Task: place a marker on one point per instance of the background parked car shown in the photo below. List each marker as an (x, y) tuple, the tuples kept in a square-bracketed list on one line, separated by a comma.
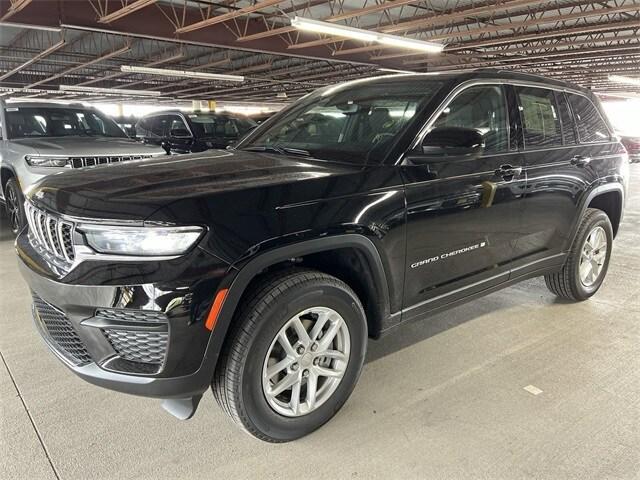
[(42, 139), (632, 144), (192, 132)]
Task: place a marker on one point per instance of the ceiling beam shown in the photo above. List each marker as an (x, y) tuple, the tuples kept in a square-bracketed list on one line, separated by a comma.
[(229, 16), (35, 59), (102, 58), (431, 20), (334, 18), (125, 10), (16, 6)]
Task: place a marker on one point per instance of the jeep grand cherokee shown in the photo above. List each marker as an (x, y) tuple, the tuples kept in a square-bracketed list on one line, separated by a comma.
[(261, 271)]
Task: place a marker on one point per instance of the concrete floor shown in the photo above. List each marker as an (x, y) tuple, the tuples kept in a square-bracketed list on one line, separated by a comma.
[(443, 398)]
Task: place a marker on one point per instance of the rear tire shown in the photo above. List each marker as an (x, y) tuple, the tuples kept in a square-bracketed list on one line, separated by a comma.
[(15, 205), (588, 260), (259, 359)]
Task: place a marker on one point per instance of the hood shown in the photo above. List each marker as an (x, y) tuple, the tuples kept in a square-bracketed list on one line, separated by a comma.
[(136, 189), (87, 146)]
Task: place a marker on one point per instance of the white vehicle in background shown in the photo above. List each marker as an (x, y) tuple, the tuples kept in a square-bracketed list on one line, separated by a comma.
[(41, 139)]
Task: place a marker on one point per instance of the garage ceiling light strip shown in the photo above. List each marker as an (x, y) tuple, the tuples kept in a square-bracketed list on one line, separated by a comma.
[(623, 79), (113, 91), (181, 73), (317, 26)]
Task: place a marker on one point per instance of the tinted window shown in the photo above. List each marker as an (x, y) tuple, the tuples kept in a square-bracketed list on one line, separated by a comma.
[(482, 108), (568, 126), (24, 122), (591, 126), (158, 126), (540, 117), (175, 122), (214, 125)]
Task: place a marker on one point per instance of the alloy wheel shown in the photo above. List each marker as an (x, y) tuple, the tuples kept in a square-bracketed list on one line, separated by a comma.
[(13, 209), (593, 256), (306, 361)]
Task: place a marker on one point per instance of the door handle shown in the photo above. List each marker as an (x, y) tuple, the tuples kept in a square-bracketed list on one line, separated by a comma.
[(508, 171), (580, 161)]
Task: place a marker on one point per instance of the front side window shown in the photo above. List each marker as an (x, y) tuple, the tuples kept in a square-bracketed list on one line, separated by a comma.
[(26, 122), (482, 108), (540, 117), (353, 122), (177, 127), (591, 126)]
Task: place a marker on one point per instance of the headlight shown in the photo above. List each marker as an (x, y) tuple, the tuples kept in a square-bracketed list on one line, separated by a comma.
[(142, 241), (47, 161)]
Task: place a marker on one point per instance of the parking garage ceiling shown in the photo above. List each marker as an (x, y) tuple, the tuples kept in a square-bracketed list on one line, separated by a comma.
[(45, 44)]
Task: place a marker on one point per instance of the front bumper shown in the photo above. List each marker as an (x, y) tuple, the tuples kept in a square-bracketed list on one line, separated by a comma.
[(141, 339)]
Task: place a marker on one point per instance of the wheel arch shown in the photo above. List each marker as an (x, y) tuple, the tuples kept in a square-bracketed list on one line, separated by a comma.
[(374, 294), (6, 172), (610, 199)]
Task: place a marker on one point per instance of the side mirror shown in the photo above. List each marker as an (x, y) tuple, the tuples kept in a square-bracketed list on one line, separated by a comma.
[(180, 133), (450, 144)]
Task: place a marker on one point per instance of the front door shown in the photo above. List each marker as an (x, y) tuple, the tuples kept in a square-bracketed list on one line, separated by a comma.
[(463, 217)]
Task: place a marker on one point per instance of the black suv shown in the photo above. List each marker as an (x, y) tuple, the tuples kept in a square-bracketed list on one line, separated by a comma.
[(192, 132), (262, 270)]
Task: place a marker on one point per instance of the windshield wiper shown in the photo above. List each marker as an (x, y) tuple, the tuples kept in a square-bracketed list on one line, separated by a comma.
[(278, 149)]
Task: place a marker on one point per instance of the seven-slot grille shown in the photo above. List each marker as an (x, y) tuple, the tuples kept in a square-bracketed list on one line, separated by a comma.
[(61, 333), (51, 233), (80, 162)]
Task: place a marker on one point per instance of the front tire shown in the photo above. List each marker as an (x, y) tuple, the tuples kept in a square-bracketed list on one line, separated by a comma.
[(588, 260), (14, 205), (293, 356)]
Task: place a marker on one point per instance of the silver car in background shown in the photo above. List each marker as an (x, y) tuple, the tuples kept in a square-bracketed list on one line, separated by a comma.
[(41, 139)]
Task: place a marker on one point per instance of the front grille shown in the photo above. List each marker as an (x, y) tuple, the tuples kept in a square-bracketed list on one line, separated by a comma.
[(50, 233), (80, 162), (138, 346), (61, 332)]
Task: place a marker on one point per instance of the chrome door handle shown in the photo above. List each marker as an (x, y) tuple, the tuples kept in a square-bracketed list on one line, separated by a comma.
[(580, 161), (508, 171)]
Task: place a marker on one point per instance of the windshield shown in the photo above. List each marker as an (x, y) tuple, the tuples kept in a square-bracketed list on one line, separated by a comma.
[(212, 125), (353, 122), (29, 122)]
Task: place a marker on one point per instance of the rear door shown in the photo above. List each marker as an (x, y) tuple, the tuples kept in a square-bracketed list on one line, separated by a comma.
[(558, 160), (463, 216)]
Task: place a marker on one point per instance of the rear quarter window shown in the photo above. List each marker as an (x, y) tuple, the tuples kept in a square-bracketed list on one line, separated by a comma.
[(591, 126)]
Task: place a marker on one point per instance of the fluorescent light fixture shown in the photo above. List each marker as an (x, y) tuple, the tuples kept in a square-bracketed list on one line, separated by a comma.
[(623, 79), (110, 91), (393, 70), (410, 43), (317, 26), (181, 73)]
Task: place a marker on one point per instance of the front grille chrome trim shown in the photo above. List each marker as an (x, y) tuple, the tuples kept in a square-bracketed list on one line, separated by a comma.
[(90, 161), (51, 236)]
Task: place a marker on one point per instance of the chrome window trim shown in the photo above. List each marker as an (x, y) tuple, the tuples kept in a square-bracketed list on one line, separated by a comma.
[(458, 89)]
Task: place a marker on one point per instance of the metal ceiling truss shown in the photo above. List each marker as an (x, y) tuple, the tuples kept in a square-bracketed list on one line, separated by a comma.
[(84, 42)]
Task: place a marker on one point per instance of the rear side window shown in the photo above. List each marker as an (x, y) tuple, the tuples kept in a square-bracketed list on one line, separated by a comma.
[(568, 125), (591, 126), (540, 117)]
